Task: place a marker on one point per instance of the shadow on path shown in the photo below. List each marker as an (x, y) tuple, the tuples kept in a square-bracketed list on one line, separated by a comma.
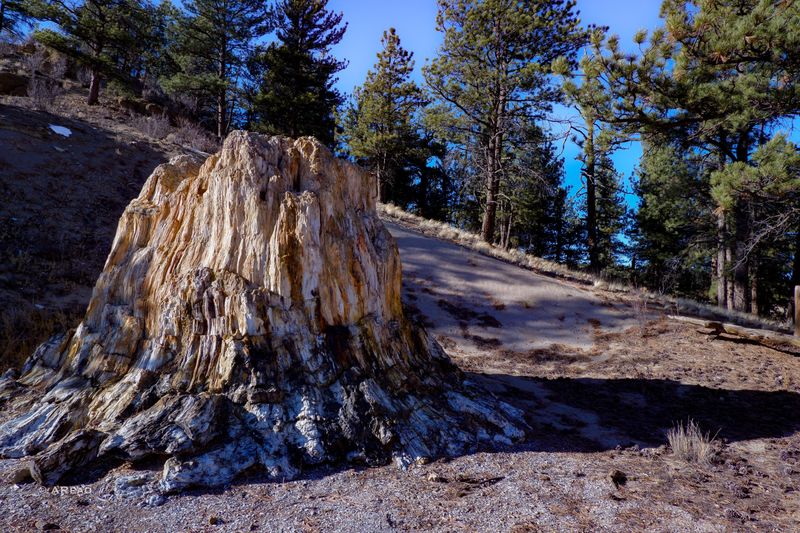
[(591, 414)]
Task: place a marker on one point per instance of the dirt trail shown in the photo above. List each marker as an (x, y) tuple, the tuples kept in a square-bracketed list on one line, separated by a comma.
[(479, 302)]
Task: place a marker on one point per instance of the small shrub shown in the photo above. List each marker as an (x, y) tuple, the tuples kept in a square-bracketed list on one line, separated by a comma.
[(58, 67), (152, 92), (690, 444), (23, 327), (84, 76), (156, 127), (34, 62), (194, 136), (43, 93)]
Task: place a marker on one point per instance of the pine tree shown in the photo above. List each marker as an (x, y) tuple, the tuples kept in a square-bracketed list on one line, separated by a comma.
[(769, 185), (492, 72), (294, 76), (597, 138), (94, 32), (611, 214), (211, 43), (674, 224), (532, 210), (379, 124), (149, 61), (719, 75)]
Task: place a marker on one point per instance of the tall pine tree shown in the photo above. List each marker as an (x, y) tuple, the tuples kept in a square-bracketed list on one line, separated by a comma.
[(532, 210), (673, 231), (94, 32), (492, 72), (212, 40), (293, 77), (720, 75), (597, 139), (379, 125)]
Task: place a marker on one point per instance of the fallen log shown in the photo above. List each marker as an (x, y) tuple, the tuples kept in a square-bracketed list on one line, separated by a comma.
[(770, 339)]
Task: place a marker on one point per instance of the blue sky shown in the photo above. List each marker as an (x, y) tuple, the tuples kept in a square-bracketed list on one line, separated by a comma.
[(415, 22)]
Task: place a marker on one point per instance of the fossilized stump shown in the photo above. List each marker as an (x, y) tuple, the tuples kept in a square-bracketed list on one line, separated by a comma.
[(248, 315)]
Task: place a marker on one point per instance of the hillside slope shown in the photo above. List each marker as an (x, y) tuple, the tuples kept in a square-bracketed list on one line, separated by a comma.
[(62, 197)]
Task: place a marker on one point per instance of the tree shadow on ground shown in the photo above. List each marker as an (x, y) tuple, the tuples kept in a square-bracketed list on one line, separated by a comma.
[(590, 415)]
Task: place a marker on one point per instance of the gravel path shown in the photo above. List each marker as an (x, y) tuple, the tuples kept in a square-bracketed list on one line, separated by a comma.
[(481, 302)]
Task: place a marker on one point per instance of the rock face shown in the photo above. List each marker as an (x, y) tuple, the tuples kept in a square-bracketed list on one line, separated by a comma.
[(248, 315)]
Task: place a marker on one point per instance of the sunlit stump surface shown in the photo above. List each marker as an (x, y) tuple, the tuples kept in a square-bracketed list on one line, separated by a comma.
[(248, 316)]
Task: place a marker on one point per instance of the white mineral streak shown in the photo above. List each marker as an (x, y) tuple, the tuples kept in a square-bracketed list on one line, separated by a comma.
[(248, 315)]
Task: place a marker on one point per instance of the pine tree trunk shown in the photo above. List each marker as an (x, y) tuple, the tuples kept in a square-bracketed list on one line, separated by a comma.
[(492, 188), (423, 193), (507, 243), (729, 297), (380, 172), (754, 286), (591, 200), (94, 88), (741, 285), (221, 107), (795, 272), (495, 154), (720, 273), (741, 216)]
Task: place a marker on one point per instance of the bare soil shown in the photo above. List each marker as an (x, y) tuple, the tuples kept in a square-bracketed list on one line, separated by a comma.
[(599, 383), (62, 197)]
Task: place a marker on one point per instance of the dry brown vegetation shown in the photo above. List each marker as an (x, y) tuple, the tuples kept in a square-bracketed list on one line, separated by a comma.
[(690, 444), (63, 197), (24, 327), (190, 134), (156, 127)]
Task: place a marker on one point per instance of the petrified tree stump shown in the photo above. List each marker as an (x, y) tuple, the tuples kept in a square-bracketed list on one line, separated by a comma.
[(248, 315)]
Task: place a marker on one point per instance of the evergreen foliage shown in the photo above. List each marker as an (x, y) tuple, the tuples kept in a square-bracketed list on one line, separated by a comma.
[(380, 124), (293, 90), (492, 74), (210, 43), (99, 34), (14, 16)]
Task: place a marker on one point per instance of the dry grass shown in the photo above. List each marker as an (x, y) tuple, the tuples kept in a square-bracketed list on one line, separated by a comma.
[(639, 303), (690, 444), (194, 136), (44, 93), (156, 127), (646, 300), (24, 327)]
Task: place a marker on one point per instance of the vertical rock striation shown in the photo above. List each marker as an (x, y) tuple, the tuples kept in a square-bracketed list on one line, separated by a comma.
[(248, 315)]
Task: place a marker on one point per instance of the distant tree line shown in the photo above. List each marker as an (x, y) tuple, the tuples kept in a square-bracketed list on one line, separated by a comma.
[(473, 141)]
